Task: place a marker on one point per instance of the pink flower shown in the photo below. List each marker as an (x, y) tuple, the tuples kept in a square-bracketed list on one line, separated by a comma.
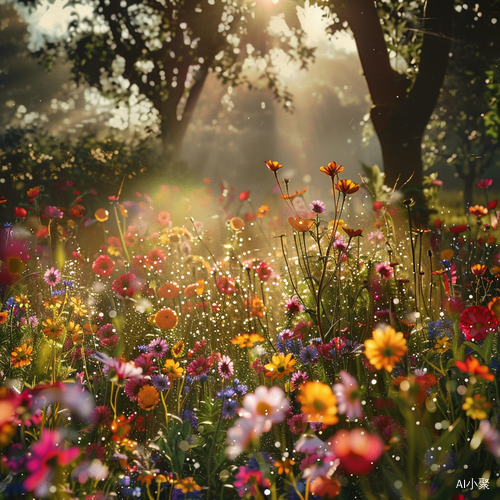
[(264, 271), (225, 367), (348, 396), (476, 322), (118, 370), (45, 458), (385, 270), (250, 481), (53, 213), (357, 450), (103, 265), (266, 405), (484, 183), (293, 305), (490, 437), (241, 434), (199, 367), (164, 218), (52, 276)]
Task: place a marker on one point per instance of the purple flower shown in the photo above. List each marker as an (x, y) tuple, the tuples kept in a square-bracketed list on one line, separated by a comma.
[(158, 347), (160, 382), (229, 408), (309, 355), (52, 276), (317, 206)]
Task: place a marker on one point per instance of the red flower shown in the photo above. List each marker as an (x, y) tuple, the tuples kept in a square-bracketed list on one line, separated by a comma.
[(264, 271), (357, 450), (77, 211), (474, 367), (459, 229), (244, 195), (103, 265), (477, 322), (126, 285), (199, 367), (492, 204), (226, 285), (20, 213)]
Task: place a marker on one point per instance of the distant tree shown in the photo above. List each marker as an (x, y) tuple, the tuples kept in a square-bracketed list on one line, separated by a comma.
[(417, 37), (164, 50)]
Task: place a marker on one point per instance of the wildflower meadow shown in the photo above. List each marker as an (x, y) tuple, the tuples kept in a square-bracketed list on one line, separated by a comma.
[(186, 344)]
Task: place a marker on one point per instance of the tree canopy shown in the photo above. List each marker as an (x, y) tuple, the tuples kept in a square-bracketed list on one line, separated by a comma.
[(163, 51)]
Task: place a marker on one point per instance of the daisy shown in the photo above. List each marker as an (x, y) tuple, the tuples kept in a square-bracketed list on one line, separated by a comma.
[(52, 276), (116, 369), (317, 206), (386, 348), (476, 322), (158, 347)]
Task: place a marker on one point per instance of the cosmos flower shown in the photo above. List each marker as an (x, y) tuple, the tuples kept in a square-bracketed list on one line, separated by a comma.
[(385, 270), (267, 406), (386, 348), (317, 206), (347, 393), (318, 403), (118, 370), (158, 347), (225, 367), (52, 276), (357, 450), (103, 265), (332, 169), (476, 322), (346, 186), (273, 166), (45, 461)]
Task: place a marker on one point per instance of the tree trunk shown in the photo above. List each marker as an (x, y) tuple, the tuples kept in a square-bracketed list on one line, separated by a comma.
[(400, 116)]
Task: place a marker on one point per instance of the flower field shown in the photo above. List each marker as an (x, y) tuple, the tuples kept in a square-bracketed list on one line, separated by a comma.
[(186, 344)]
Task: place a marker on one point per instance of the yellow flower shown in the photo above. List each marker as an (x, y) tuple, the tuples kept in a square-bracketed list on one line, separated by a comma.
[(79, 308), (386, 348), (52, 329), (187, 485), (148, 397), (20, 356), (258, 308), (476, 407), (442, 345), (318, 403), (280, 366), (22, 300), (172, 369)]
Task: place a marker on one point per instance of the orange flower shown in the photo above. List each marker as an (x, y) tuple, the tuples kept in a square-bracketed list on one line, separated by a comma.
[(53, 330), (258, 308), (285, 466), (289, 196), (33, 192), (198, 288), (346, 186), (3, 317), (246, 339), (237, 224), (101, 215), (332, 169), (187, 485), (386, 348), (166, 318), (300, 225), (273, 166), (177, 348), (478, 210), (352, 233), (262, 211), (77, 211), (318, 403), (494, 307), (473, 367), (20, 356), (169, 290), (478, 269), (120, 428), (148, 397)]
